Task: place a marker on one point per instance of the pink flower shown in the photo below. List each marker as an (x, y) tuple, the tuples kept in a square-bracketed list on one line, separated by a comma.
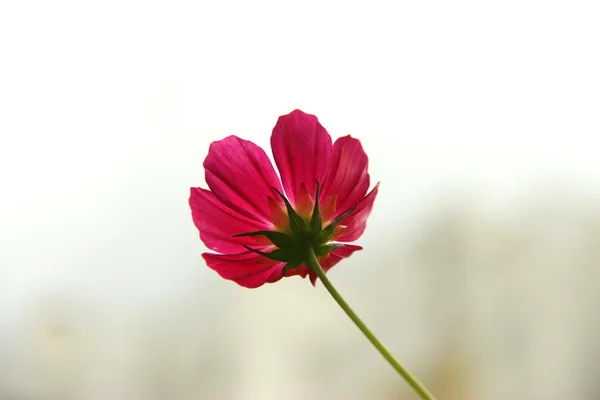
[(259, 232)]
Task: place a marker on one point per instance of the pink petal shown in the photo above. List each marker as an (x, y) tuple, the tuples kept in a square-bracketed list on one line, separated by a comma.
[(301, 271), (302, 150), (218, 223), (357, 221), (331, 259), (304, 203), (240, 174), (348, 177), (327, 206), (279, 216), (246, 269)]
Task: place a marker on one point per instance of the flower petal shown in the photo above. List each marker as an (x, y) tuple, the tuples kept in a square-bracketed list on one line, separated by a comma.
[(327, 205), (357, 221), (247, 269), (279, 215), (348, 177), (302, 150), (218, 223), (301, 271), (241, 175), (331, 259)]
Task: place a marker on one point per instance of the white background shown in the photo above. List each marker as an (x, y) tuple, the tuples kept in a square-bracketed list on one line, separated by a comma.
[(107, 110)]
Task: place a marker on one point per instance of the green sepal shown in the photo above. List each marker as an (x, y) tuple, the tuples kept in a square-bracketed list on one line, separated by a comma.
[(316, 222), (327, 248), (279, 239), (297, 223), (290, 265), (327, 233), (277, 255)]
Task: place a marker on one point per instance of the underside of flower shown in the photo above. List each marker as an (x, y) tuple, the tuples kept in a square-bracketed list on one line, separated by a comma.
[(261, 225), (300, 234)]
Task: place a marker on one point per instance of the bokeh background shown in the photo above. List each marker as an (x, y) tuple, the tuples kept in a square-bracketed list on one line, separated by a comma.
[(481, 261)]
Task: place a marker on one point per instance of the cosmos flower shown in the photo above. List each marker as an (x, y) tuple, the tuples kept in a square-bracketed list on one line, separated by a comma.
[(260, 226)]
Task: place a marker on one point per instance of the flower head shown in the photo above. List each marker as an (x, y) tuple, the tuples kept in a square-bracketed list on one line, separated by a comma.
[(261, 225)]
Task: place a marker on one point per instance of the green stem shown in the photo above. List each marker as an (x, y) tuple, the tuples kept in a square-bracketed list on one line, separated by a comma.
[(313, 263)]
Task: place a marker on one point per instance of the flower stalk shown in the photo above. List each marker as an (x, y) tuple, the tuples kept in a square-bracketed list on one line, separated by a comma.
[(313, 263)]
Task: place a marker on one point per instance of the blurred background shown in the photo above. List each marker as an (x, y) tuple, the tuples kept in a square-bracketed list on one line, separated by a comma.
[(481, 261)]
